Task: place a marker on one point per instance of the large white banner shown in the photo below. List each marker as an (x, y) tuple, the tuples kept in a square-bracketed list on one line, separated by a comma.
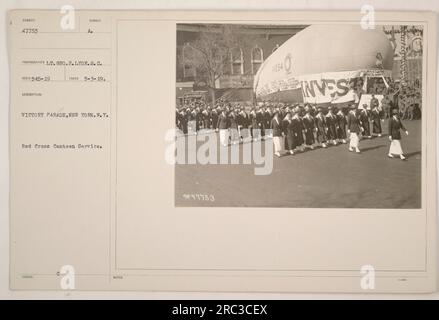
[(328, 87)]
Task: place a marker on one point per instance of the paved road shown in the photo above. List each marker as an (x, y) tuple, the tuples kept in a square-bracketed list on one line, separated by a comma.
[(321, 178)]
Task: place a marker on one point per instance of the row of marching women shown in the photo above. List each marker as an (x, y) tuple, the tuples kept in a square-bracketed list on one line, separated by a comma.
[(293, 128), (330, 128), (295, 132), (192, 118)]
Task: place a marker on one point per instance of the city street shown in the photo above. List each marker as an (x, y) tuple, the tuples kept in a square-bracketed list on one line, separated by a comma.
[(320, 178)]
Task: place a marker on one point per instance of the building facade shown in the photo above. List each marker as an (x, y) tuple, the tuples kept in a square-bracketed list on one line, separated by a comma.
[(236, 82)]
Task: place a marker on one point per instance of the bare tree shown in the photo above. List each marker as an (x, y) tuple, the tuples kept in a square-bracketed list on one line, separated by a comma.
[(212, 52)]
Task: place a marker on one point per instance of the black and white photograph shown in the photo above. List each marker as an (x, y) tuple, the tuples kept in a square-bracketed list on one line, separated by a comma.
[(299, 116), (277, 152)]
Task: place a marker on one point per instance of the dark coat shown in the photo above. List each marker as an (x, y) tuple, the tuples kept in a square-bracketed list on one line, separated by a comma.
[(254, 120), (395, 125), (320, 122), (223, 122), (331, 122), (376, 120), (341, 126), (364, 119), (353, 122), (260, 118), (297, 125), (243, 120), (268, 118), (234, 122), (183, 122), (289, 134), (309, 126), (198, 118), (276, 126), (214, 119), (206, 119)]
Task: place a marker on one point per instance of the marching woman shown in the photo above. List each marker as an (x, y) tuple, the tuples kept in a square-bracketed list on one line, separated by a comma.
[(260, 118), (364, 119), (297, 124), (395, 125), (196, 115), (183, 121), (354, 129), (223, 126), (331, 122), (268, 117), (277, 131), (243, 124), (320, 121), (206, 116), (341, 126), (309, 126), (234, 133), (376, 121), (289, 134), (255, 130), (214, 117)]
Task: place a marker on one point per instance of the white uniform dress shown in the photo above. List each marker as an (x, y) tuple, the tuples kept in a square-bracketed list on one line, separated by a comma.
[(354, 140), (278, 141), (224, 137), (395, 147)]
